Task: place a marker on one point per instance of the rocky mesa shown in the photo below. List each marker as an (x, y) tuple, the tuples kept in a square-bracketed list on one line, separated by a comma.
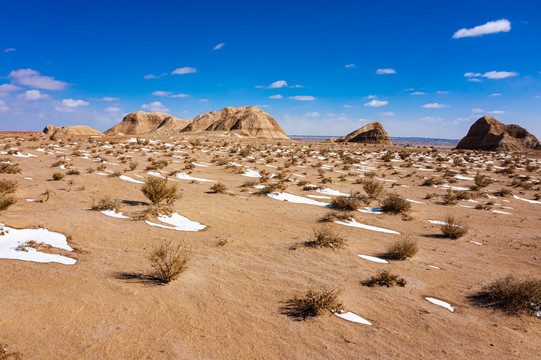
[(372, 133)]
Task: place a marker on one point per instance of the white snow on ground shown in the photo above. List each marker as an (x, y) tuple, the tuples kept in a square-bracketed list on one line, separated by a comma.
[(528, 200), (296, 199), (62, 167), (437, 222), (353, 223), (371, 210), (115, 214), (153, 173), (377, 178), (501, 212), (259, 186), (373, 259), (201, 165), (349, 316), (12, 238), (476, 243), (178, 222), (33, 200), (434, 267), (318, 196), (102, 174), (28, 178), (460, 177), (24, 156), (440, 303), (251, 173), (127, 178), (332, 192), (414, 201), (456, 188), (184, 176)]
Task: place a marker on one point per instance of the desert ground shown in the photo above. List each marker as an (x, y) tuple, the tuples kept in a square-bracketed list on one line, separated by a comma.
[(101, 301)]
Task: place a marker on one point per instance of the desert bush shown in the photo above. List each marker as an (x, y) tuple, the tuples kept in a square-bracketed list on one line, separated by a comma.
[(90, 170), (168, 261), (453, 228), (346, 203), (431, 182), (73, 172), (463, 195), (6, 201), (9, 168), (325, 236), (270, 188), (313, 303), (373, 188), (8, 186), (385, 278), (511, 295), (402, 249), (481, 181), (395, 204), (58, 163), (449, 198), (58, 176), (160, 190), (218, 188), (105, 203), (101, 167), (503, 192), (133, 165)]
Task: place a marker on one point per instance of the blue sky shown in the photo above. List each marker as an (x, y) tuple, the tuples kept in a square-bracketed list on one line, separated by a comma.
[(422, 68)]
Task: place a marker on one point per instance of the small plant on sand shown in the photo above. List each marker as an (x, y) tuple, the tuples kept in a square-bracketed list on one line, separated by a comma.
[(325, 236), (347, 203), (453, 227), (160, 191), (511, 295), (218, 188), (9, 168), (395, 204), (6, 201), (313, 303), (106, 203), (271, 188), (168, 261), (402, 249), (58, 176), (373, 188), (481, 181), (449, 198), (8, 186), (385, 278)]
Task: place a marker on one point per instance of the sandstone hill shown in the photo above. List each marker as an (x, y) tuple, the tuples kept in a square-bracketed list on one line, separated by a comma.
[(245, 120), (170, 126), (372, 133), (138, 123), (487, 133), (71, 130)]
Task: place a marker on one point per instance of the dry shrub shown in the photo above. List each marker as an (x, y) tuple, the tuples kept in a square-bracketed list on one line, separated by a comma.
[(385, 278), (347, 203), (6, 201), (58, 176), (218, 188), (270, 188), (8, 186), (373, 188), (160, 190), (402, 249), (73, 172), (481, 181), (431, 182), (395, 204), (450, 198), (313, 303), (325, 236), (106, 203), (133, 165), (453, 227), (511, 295), (9, 168), (168, 261)]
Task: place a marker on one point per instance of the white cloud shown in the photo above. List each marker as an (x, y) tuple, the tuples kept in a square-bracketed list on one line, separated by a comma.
[(33, 79), (204, 100), (5, 89), (470, 74), (219, 46), (112, 109), (350, 66), (277, 96), (69, 105), (184, 70), (362, 120), (349, 106), (371, 97), (152, 76), (296, 86), (155, 106), (33, 95), (475, 80), (180, 95), (434, 106), (161, 93), (9, 50), (490, 27), (477, 111), (277, 84), (496, 112), (440, 92), (3, 106), (109, 98), (499, 74), (312, 114), (376, 103), (387, 113), (496, 94), (385, 71), (432, 119), (302, 97), (418, 93)]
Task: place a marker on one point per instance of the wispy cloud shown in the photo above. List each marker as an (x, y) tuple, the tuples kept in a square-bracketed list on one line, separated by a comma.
[(434, 106), (112, 109), (440, 92), (376, 103), (219, 46), (5, 89), (109, 98), (277, 96), (490, 75), (496, 94), (371, 97), (497, 112), (184, 70), (349, 106), (277, 84), (152, 76), (418, 93), (9, 50), (155, 106), (303, 97), (34, 79), (350, 66), (69, 105), (33, 95), (387, 113), (385, 71), (490, 27), (3, 106), (312, 114)]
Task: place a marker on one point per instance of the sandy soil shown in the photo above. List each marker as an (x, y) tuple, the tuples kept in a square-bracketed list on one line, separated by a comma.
[(228, 303)]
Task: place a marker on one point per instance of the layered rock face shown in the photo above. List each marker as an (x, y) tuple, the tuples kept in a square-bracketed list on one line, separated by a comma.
[(247, 120), (138, 123), (170, 126), (372, 133), (71, 130), (489, 134)]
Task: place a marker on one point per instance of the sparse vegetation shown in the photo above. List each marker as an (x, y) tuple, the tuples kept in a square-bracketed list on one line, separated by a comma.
[(481, 181), (6, 168), (313, 303), (106, 203), (373, 188), (160, 191), (453, 228), (218, 188), (402, 249), (385, 278), (326, 236), (168, 261), (8, 186), (395, 204), (58, 176)]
